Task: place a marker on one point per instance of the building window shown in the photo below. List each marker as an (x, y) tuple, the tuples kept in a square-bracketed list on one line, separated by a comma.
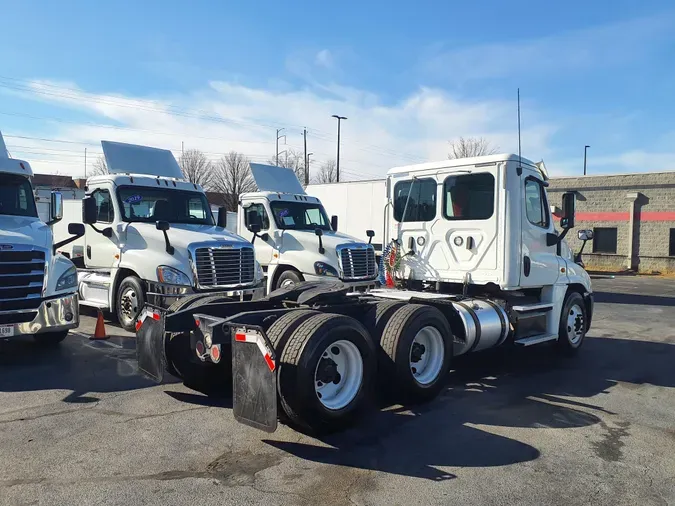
[(671, 250), (604, 240)]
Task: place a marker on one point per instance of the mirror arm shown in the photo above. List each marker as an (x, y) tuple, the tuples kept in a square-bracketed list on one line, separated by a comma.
[(169, 248), (59, 244), (321, 250), (560, 240)]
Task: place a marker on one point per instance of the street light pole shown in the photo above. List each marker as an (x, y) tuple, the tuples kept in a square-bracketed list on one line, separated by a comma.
[(585, 150), (339, 118)]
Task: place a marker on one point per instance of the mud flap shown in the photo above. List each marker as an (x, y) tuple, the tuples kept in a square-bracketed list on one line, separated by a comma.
[(150, 348), (254, 378)]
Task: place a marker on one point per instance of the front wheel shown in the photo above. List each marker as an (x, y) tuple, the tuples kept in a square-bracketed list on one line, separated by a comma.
[(50, 338), (573, 321), (130, 302), (288, 279)]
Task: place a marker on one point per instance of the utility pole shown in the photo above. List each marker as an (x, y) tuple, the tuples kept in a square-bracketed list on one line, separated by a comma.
[(85, 163), (339, 118), (279, 130), (585, 150), (304, 134)]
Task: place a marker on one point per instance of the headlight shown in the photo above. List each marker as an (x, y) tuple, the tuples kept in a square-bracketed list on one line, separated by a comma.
[(67, 280), (171, 276), (323, 269)]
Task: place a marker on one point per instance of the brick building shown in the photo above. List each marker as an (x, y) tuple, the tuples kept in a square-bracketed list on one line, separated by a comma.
[(631, 215)]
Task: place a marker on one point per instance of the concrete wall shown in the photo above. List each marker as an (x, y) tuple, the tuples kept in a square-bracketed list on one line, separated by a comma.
[(640, 206)]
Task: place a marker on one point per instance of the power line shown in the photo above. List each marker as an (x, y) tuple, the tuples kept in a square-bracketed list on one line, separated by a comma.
[(173, 110)]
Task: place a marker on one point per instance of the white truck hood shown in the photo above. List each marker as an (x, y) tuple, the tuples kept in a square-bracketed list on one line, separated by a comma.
[(25, 231), (181, 235)]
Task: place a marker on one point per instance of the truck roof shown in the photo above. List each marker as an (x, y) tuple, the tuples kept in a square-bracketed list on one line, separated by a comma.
[(145, 180), (12, 165), (462, 162), (286, 197)]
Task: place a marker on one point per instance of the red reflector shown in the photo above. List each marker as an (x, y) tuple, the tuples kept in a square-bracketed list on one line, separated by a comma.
[(155, 316), (270, 362), (200, 348), (215, 354), (138, 324), (240, 337), (197, 323)]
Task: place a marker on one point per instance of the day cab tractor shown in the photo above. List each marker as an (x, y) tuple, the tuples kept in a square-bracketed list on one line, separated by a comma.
[(473, 262)]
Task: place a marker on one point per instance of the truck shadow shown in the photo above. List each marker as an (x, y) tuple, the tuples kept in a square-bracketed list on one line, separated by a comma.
[(634, 299), (84, 367), (485, 396)]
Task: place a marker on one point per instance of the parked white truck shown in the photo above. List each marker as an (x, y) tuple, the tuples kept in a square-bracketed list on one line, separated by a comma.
[(151, 236), (296, 241), (476, 262), (38, 288)]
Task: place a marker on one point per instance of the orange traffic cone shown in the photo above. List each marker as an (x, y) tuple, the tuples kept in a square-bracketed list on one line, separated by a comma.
[(99, 331)]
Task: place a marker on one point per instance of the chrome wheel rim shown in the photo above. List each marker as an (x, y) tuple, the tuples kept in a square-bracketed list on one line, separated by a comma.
[(338, 375), (426, 355), (129, 306), (287, 283), (575, 325)]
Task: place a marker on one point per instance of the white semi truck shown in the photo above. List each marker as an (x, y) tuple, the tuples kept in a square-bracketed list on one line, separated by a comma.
[(151, 236), (38, 288), (295, 240), (476, 263)]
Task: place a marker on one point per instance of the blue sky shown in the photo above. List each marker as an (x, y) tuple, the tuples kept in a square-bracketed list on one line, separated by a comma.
[(410, 76)]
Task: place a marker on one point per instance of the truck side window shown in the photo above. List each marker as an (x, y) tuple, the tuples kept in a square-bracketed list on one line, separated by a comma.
[(104, 207), (469, 196), (417, 198), (536, 208), (260, 209)]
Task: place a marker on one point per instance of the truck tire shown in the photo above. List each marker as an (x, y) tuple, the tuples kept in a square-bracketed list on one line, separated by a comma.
[(281, 330), (288, 278), (379, 315), (573, 319), (48, 339), (326, 372), (130, 302), (415, 353)]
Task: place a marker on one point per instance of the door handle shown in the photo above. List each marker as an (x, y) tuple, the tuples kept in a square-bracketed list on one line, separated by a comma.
[(89, 252)]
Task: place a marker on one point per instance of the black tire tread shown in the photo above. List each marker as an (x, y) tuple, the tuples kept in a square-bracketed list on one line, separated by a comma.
[(379, 316), (281, 329)]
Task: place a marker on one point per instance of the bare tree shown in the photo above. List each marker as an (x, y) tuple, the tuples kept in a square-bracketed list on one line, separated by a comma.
[(99, 168), (327, 173), (471, 146), (232, 177), (197, 168), (294, 160)]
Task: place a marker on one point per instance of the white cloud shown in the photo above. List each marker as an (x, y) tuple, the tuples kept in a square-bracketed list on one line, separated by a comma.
[(597, 47), (324, 58), (227, 116)]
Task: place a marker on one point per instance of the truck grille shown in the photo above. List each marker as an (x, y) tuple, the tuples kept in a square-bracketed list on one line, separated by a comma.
[(21, 279), (223, 267), (358, 263)]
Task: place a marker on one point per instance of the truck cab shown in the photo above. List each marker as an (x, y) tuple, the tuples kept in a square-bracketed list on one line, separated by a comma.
[(38, 288), (294, 238), (151, 237), (483, 225)]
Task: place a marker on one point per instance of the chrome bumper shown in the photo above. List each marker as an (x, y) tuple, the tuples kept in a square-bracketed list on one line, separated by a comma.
[(53, 315), (163, 295)]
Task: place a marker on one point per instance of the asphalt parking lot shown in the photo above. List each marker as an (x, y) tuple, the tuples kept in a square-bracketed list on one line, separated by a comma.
[(78, 425)]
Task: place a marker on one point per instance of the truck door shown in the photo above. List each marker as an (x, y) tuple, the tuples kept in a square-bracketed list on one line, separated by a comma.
[(540, 263), (263, 249), (100, 250)]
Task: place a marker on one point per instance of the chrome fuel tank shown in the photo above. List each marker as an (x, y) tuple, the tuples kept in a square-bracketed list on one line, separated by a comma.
[(481, 323)]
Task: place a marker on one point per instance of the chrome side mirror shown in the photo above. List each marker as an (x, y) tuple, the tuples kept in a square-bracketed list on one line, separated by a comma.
[(585, 235)]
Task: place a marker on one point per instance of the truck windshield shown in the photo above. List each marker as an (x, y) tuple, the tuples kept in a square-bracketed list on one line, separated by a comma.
[(142, 204), (16, 196), (299, 215)]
